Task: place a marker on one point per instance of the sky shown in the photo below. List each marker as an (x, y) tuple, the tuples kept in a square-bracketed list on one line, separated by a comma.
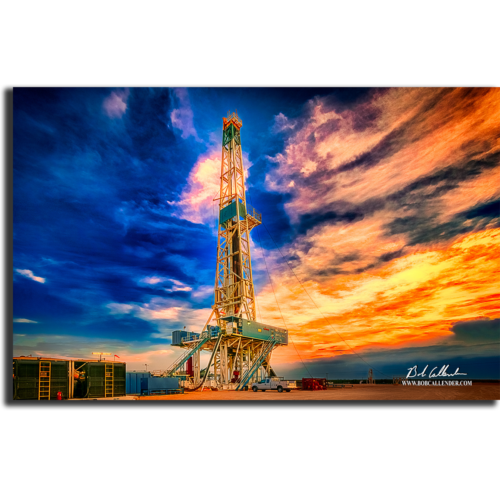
[(380, 240)]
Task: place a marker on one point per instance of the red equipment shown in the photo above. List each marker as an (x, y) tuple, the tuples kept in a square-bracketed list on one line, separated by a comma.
[(59, 395), (314, 384), (189, 368)]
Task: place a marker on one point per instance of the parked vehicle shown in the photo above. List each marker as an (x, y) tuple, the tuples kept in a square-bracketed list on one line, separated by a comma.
[(274, 383)]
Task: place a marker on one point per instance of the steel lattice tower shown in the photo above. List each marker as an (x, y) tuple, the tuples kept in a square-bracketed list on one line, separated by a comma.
[(240, 347), (234, 291)]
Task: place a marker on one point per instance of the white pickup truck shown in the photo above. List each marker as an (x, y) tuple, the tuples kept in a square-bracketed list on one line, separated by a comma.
[(274, 383)]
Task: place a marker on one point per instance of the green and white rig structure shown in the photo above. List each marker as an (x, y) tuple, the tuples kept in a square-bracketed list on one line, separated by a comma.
[(240, 348)]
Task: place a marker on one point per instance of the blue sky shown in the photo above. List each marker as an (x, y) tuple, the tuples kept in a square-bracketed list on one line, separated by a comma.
[(114, 234)]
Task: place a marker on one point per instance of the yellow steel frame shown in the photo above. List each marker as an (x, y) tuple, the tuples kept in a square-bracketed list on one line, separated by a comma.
[(234, 289)]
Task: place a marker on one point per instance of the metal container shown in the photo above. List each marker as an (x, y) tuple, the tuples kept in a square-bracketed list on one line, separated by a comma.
[(158, 384), (133, 381), (256, 330), (180, 336), (177, 336)]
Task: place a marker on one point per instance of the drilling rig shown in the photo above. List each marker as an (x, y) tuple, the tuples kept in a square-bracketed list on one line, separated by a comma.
[(240, 348)]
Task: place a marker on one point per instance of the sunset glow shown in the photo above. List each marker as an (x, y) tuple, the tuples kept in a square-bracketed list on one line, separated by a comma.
[(380, 207)]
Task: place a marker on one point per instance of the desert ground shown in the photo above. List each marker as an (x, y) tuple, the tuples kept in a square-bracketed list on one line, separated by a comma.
[(478, 391)]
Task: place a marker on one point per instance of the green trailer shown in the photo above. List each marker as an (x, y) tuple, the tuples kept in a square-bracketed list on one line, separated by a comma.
[(40, 378)]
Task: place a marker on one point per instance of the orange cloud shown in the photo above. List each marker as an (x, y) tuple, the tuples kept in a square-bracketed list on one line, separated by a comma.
[(415, 298), (484, 188), (380, 195)]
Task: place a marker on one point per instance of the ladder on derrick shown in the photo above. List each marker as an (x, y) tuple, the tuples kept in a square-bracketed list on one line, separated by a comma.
[(266, 349), (44, 380), (109, 381)]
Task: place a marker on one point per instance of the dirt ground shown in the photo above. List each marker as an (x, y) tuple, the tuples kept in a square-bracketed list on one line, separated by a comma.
[(478, 391)]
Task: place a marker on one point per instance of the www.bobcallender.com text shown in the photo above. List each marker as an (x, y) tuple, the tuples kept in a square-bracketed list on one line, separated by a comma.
[(436, 382)]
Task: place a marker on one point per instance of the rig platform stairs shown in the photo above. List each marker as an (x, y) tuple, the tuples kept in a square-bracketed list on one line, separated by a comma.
[(267, 348), (185, 356)]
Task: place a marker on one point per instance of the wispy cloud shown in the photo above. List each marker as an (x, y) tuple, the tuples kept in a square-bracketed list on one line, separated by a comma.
[(282, 124), (153, 280), (23, 320), (182, 116), (115, 105), (166, 284), (380, 147), (29, 274), (181, 289), (203, 292), (168, 314)]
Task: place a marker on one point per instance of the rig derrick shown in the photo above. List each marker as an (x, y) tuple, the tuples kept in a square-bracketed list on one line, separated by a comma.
[(240, 347)]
